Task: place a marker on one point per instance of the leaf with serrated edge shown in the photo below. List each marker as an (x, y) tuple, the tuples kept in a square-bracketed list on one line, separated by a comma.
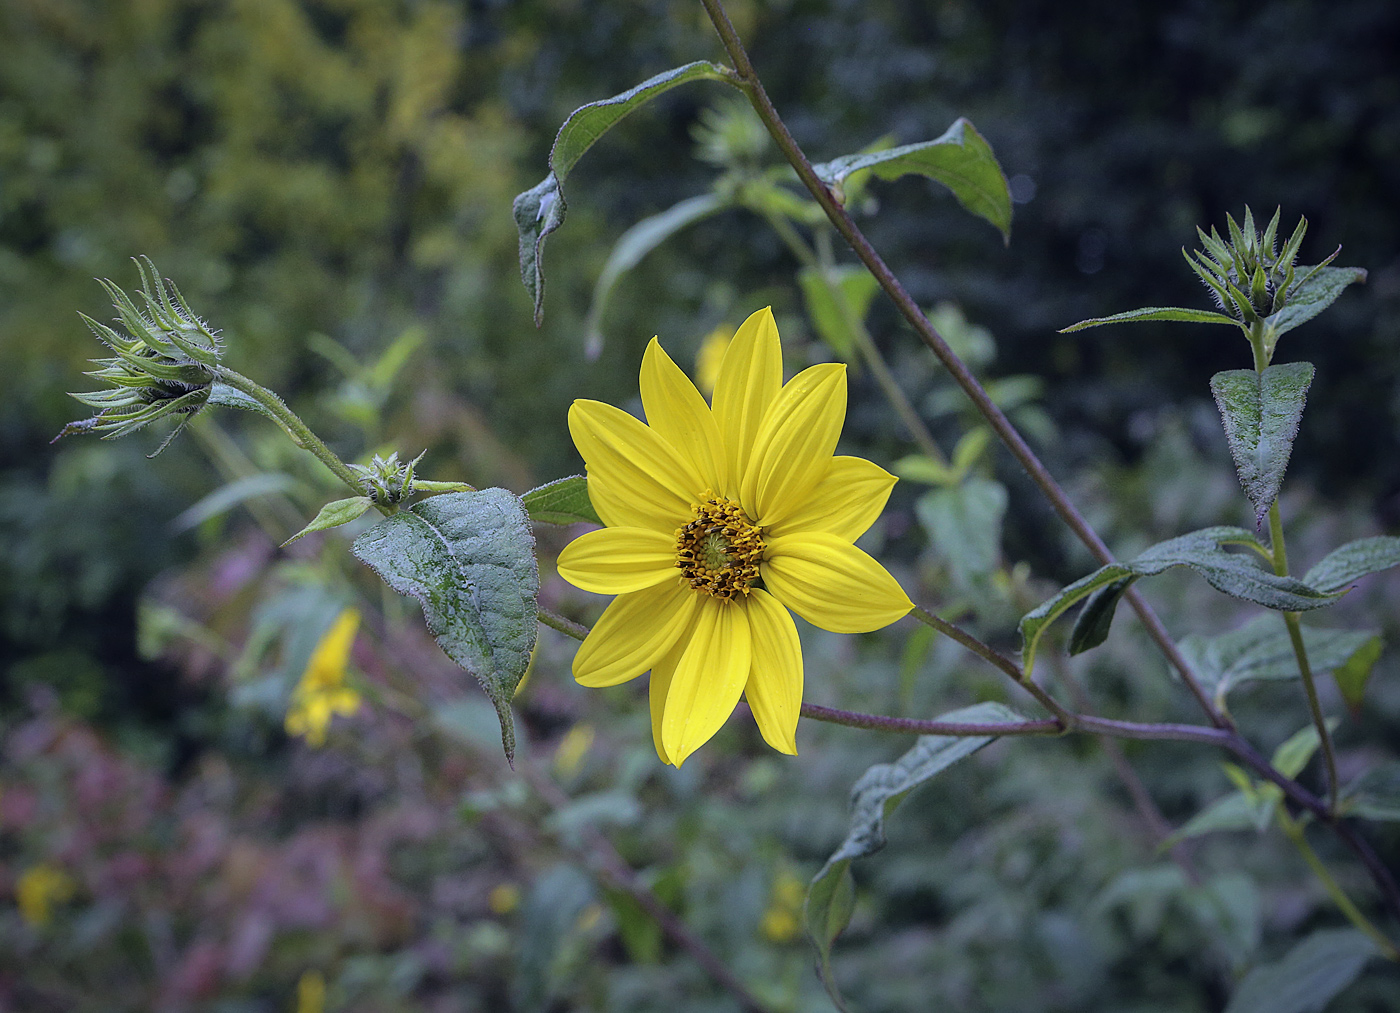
[(634, 244), (1261, 650), (469, 559), (1312, 295), (334, 514), (1230, 573), (961, 160), (877, 793), (1261, 413), (540, 210), (563, 501), (1308, 977), (1354, 560), (1177, 313)]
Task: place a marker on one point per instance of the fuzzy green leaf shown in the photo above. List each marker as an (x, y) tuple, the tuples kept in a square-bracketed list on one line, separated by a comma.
[(1261, 412), (634, 244), (961, 160), (469, 559), (1342, 566), (877, 793), (1261, 650), (1319, 289), (1308, 977), (540, 210), (224, 396), (1155, 313), (334, 514), (1237, 575), (563, 501)]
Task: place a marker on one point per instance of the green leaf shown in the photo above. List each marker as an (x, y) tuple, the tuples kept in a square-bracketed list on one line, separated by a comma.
[(1308, 977), (1235, 811), (1261, 650), (961, 160), (1340, 567), (1155, 313), (634, 244), (837, 300), (919, 468), (1352, 675), (1294, 752), (1261, 412), (469, 559), (1319, 289), (224, 396), (1375, 795), (563, 501), (1095, 619), (877, 793), (226, 497), (540, 210), (964, 526), (334, 514), (1230, 573)]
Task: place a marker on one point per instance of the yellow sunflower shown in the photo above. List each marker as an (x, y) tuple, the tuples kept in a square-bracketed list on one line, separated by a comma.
[(719, 520)]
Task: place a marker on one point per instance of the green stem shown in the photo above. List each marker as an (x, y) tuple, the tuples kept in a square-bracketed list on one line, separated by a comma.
[(1293, 829), (298, 430), (747, 79)]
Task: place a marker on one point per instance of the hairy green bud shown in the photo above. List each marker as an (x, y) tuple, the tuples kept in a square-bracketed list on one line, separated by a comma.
[(385, 480)]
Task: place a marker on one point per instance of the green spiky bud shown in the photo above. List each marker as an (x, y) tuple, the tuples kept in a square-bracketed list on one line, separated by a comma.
[(385, 480)]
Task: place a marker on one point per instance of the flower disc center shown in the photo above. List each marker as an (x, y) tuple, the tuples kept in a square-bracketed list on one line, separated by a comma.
[(720, 549)]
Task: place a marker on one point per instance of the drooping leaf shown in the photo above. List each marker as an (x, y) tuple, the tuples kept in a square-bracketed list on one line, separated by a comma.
[(1180, 313), (563, 501), (1319, 290), (961, 160), (634, 244), (964, 526), (837, 300), (1308, 977), (1237, 575), (1261, 650), (1095, 619), (1351, 676), (469, 559), (1375, 795), (540, 210), (877, 793), (226, 497), (1261, 412), (1354, 560), (334, 514)]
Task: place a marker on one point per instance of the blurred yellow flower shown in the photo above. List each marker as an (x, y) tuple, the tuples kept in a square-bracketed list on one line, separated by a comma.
[(503, 899), (780, 922), (710, 357), (322, 692), (40, 887), (311, 992), (573, 747), (746, 500)]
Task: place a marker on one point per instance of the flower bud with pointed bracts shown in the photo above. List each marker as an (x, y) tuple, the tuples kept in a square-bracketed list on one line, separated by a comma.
[(164, 365), (385, 480)]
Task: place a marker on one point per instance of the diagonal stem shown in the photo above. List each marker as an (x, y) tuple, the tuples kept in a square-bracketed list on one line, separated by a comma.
[(748, 80)]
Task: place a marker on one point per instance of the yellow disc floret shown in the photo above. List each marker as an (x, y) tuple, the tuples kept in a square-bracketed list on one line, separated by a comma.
[(720, 549)]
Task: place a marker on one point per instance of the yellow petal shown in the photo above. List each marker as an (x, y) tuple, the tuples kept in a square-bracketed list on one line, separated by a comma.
[(832, 584), (679, 415), (792, 451), (656, 692), (844, 503), (618, 560), (774, 689), (709, 678), (749, 380), (652, 485), (633, 632)]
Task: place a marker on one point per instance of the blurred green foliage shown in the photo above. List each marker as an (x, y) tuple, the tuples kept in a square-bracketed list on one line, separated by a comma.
[(329, 181)]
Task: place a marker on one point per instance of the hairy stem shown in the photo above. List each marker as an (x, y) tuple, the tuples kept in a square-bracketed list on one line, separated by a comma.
[(1293, 830), (298, 430), (748, 80)]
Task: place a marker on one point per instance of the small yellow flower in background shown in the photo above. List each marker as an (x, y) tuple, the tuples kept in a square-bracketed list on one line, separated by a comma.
[(311, 992), (781, 922), (322, 692), (40, 887), (573, 747), (747, 502), (503, 899), (710, 357)]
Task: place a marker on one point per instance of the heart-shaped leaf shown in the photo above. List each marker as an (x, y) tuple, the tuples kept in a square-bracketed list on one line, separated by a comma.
[(1261, 412)]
